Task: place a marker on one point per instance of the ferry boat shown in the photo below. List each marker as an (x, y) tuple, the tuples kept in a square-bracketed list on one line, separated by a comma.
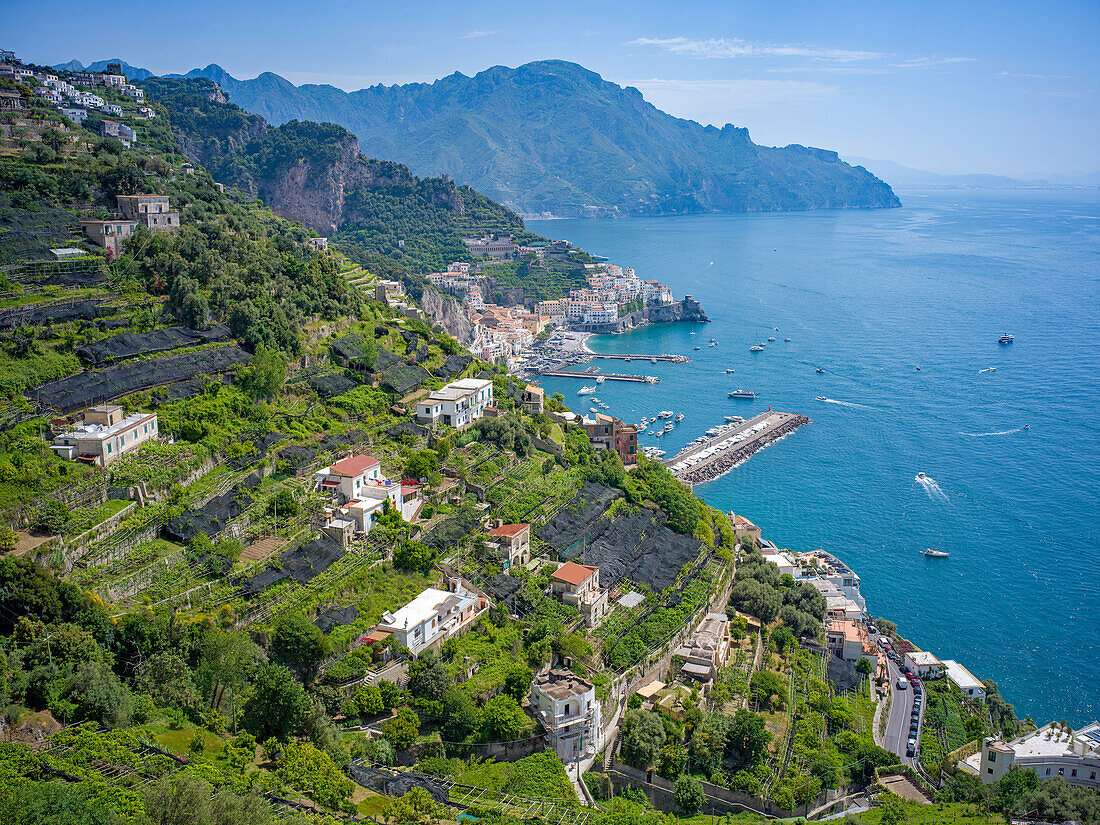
[(679, 417), (665, 414), (756, 348), (586, 391), (936, 553), (742, 394), (1006, 339)]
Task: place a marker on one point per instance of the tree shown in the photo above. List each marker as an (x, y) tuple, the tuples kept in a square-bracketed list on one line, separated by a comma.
[(864, 666), (643, 738), (892, 811), (178, 799), (503, 719), (766, 686), (278, 704), (424, 464), (51, 517), (756, 599), (100, 695), (412, 555), (403, 728), (226, 661), (688, 795), (313, 772), (264, 374), (298, 643), (517, 681), (748, 738), (428, 678), (369, 700)]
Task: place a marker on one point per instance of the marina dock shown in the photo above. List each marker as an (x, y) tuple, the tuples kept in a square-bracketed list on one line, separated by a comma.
[(702, 462), (607, 376)]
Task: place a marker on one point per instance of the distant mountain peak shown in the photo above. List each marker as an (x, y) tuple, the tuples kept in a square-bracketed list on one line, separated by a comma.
[(552, 136)]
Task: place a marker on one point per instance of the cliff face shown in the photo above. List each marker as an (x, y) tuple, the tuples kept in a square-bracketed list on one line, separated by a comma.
[(446, 312), (686, 310), (315, 190)]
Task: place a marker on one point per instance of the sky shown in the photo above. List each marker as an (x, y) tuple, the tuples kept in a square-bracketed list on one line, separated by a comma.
[(1011, 87)]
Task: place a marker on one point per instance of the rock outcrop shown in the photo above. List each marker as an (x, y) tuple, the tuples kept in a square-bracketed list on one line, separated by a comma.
[(446, 312)]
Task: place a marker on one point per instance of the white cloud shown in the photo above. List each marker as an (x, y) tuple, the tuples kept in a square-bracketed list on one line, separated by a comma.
[(474, 34), (934, 60), (721, 101), (1030, 76), (718, 47), (818, 68)]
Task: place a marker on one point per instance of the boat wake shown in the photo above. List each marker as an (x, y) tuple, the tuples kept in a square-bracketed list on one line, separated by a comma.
[(845, 403), (932, 488), (999, 432)]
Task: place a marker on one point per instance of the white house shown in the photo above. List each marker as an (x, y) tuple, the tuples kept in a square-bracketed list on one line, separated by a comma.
[(786, 564), (1050, 751), (350, 476), (923, 663), (567, 708), (433, 616), (459, 404), (105, 434), (964, 680)]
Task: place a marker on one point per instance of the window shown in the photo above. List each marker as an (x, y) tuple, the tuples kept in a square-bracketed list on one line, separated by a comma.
[(1048, 771), (1073, 772), (989, 770), (1061, 771), (136, 433), (1092, 775), (992, 756), (108, 449)]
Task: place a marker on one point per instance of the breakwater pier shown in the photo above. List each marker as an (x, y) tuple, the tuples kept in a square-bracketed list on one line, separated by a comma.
[(607, 376), (706, 460), (671, 359)]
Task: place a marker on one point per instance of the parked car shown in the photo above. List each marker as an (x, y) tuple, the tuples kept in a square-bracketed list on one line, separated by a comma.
[(902, 684)]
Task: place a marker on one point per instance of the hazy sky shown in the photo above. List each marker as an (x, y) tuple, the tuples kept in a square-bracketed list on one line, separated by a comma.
[(1009, 87)]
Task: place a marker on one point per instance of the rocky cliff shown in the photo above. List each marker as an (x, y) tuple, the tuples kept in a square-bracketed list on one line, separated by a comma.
[(446, 312)]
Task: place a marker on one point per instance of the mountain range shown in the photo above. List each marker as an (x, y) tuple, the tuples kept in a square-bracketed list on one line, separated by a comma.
[(552, 138)]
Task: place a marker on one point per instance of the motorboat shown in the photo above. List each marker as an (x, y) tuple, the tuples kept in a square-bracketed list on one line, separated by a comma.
[(742, 394), (668, 428), (921, 475), (734, 419), (600, 379), (772, 338), (593, 409), (586, 391), (756, 348), (712, 344), (713, 431), (695, 348), (820, 371), (1006, 339), (787, 339), (729, 370), (679, 417), (822, 398), (988, 369), (665, 414), (650, 432), (936, 553)]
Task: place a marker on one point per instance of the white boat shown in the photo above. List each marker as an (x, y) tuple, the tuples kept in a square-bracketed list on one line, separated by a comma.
[(600, 379), (988, 369), (729, 370), (668, 428), (772, 338), (665, 414), (756, 348), (936, 553), (734, 419), (650, 432), (586, 391), (712, 344), (679, 417), (593, 409), (713, 431)]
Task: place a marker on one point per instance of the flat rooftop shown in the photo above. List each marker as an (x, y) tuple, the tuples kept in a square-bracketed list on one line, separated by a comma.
[(423, 607), (961, 676)]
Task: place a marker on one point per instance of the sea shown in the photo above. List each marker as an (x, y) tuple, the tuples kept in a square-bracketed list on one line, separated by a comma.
[(902, 309)]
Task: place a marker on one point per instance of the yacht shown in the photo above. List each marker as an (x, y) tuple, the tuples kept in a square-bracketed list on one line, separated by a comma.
[(586, 391), (668, 428), (734, 419), (756, 348), (1006, 339), (665, 414), (742, 394), (679, 417), (936, 553)]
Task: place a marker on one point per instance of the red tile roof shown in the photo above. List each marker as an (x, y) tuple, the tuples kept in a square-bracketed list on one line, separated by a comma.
[(508, 529), (573, 573), (351, 467)]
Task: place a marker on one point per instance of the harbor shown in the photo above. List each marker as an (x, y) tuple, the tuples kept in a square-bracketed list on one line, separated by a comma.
[(708, 458), (606, 376)]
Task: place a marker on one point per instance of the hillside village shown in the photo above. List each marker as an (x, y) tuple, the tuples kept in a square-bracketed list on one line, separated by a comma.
[(277, 543)]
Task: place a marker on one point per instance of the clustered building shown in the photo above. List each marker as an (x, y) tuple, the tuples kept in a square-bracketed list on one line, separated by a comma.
[(611, 289), (74, 98), (359, 493), (459, 404), (151, 211), (604, 432), (1050, 751)]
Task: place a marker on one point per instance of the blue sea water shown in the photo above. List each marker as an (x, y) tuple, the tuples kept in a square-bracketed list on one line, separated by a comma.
[(869, 296)]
